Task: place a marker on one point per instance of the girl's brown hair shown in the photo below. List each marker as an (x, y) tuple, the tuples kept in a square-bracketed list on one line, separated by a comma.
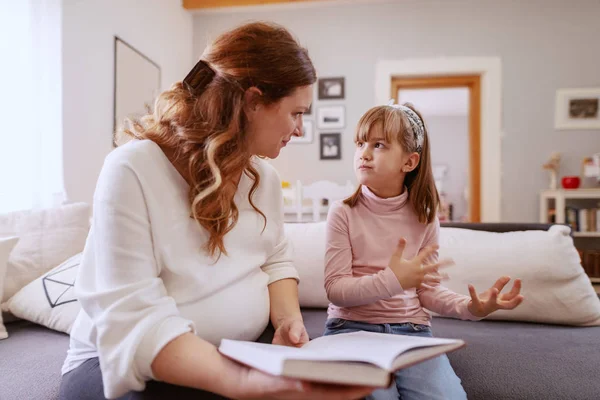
[(422, 192), (201, 120)]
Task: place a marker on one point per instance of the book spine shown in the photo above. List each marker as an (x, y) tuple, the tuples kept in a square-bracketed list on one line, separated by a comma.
[(571, 216), (582, 220)]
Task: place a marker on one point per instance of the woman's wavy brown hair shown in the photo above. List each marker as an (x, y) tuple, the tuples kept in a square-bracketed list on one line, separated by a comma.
[(202, 120), (422, 192)]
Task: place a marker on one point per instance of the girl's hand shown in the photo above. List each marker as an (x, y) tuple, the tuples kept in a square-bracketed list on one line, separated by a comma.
[(489, 301), (412, 273), (434, 279), (291, 333), (250, 383)]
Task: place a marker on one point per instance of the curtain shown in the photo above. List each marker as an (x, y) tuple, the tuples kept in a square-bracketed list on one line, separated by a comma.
[(31, 167)]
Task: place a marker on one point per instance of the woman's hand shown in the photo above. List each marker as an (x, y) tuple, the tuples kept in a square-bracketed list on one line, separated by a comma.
[(253, 384), (412, 273), (291, 332), (489, 301), (193, 362)]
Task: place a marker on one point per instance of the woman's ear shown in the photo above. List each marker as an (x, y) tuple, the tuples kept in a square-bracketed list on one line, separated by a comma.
[(252, 101), (411, 163)]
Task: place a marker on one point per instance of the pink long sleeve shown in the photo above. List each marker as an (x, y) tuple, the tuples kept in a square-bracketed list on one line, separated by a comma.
[(344, 288), (358, 281), (438, 298)]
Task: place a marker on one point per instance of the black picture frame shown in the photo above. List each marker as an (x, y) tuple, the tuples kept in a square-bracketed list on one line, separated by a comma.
[(333, 88), (331, 117), (330, 146)]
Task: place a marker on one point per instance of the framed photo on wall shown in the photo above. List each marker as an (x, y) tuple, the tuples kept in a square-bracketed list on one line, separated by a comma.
[(307, 133), (331, 117), (330, 146), (136, 83), (577, 109), (331, 88)]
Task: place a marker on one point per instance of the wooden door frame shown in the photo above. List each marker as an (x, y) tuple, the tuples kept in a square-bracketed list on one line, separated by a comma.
[(490, 70), (473, 83)]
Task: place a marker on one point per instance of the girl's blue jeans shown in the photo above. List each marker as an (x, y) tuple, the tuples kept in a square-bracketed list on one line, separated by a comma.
[(432, 379)]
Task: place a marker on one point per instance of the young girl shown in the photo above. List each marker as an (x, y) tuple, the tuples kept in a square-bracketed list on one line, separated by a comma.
[(381, 260)]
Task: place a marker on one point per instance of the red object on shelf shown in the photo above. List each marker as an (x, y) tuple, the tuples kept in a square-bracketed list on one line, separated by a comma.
[(570, 182)]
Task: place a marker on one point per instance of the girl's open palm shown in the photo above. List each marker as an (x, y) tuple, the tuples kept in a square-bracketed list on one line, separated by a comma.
[(412, 273), (489, 301)]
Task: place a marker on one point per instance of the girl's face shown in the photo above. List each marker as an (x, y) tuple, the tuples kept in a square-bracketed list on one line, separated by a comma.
[(270, 127), (381, 165)]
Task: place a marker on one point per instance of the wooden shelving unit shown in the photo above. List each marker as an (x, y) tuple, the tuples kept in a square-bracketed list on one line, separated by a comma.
[(587, 234), (561, 197), (553, 209)]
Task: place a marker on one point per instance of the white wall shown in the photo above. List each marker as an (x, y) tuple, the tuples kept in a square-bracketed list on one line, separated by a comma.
[(450, 146), (543, 44), (161, 29)]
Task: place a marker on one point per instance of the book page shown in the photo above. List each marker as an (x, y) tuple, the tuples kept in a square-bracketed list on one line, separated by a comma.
[(270, 358), (380, 349), (375, 348), (262, 356)]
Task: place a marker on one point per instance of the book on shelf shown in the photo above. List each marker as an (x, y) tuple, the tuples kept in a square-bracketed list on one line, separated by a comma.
[(551, 217), (357, 358), (582, 219)]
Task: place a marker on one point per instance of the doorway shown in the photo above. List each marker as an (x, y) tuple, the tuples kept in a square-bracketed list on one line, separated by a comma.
[(451, 105)]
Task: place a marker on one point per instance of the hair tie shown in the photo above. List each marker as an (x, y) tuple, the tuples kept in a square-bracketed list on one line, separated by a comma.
[(199, 77)]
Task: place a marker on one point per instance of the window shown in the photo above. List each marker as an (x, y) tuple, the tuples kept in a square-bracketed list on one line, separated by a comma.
[(31, 173)]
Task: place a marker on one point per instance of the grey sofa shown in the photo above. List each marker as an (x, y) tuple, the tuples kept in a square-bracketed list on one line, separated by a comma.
[(502, 360)]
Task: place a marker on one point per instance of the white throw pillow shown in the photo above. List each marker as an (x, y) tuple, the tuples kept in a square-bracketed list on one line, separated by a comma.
[(50, 299), (6, 246), (46, 238), (308, 241), (555, 286)]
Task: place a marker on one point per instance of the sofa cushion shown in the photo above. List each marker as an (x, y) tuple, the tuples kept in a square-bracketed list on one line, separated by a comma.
[(50, 299), (555, 286), (31, 360), (308, 241), (6, 246), (520, 360), (513, 360), (46, 238)]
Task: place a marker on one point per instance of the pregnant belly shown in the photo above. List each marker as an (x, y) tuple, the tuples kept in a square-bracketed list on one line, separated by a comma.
[(238, 311)]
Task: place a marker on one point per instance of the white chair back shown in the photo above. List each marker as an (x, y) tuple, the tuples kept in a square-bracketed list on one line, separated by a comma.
[(317, 191)]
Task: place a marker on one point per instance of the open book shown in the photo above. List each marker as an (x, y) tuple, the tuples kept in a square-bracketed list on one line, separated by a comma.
[(358, 358)]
